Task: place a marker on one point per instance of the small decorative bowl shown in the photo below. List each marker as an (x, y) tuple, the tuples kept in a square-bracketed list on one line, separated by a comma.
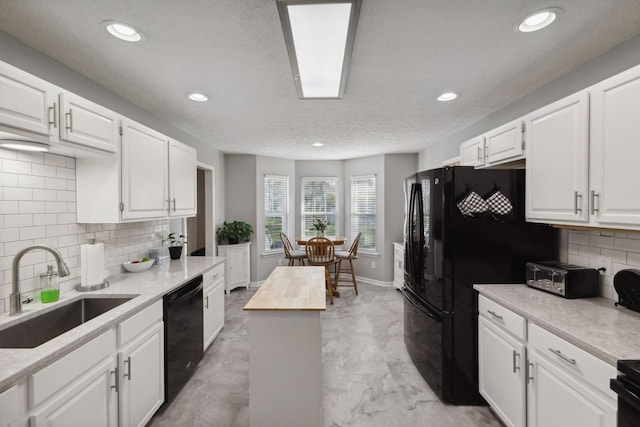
[(137, 267)]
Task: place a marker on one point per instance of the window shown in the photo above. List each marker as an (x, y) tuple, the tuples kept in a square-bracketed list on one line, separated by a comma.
[(276, 210), (363, 210), (319, 201)]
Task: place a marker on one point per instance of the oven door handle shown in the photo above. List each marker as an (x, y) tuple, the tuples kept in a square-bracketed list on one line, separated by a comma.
[(624, 393), (420, 307), (182, 298)]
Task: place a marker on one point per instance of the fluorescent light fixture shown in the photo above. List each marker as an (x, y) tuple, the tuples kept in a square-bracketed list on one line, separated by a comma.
[(123, 31), (447, 96), (197, 96), (20, 145), (318, 144), (537, 20), (319, 35)]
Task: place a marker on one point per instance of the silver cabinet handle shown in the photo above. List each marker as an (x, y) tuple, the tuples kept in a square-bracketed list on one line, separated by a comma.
[(174, 204), (529, 371), (128, 362), (562, 356), (169, 203), (206, 302), (577, 207), (594, 195), (54, 110), (494, 314), (116, 382), (479, 154), (69, 117), (516, 367)]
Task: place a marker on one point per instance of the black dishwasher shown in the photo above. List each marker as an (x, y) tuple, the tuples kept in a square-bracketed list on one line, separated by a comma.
[(183, 345), (627, 386)]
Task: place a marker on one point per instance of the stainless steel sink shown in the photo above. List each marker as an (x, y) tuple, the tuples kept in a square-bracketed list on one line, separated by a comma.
[(42, 328)]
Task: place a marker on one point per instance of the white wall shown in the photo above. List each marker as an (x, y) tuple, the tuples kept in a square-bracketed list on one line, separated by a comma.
[(38, 206)]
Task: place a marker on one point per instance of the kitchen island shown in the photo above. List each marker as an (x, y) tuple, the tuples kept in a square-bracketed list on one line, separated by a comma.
[(285, 348)]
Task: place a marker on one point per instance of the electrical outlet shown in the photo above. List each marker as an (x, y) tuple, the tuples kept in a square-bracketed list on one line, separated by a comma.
[(605, 262), (373, 265)]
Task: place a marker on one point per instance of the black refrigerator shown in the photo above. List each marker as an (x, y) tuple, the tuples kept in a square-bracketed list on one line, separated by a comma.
[(462, 227)]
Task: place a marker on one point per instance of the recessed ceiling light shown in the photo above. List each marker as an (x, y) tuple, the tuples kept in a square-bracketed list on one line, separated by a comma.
[(15, 144), (537, 20), (318, 144), (197, 96), (123, 31), (448, 96)]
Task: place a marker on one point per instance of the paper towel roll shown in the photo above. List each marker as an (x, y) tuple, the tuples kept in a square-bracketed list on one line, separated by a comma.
[(91, 264)]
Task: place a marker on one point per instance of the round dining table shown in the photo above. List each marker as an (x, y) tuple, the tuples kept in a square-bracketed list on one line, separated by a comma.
[(337, 240)]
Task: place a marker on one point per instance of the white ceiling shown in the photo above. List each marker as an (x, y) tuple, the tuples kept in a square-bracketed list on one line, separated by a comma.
[(406, 52)]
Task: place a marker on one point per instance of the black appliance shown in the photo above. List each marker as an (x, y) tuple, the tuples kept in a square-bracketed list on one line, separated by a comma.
[(565, 280), (446, 252), (627, 386), (183, 336), (627, 285)]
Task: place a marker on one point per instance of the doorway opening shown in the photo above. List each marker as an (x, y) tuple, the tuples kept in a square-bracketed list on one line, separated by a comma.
[(200, 230)]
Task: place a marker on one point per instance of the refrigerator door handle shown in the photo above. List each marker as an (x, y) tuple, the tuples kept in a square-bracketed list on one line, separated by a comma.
[(423, 309)]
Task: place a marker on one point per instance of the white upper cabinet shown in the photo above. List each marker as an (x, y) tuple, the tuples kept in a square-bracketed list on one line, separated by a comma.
[(614, 172), (472, 152), (27, 103), (505, 143), (86, 123), (557, 157), (182, 179), (144, 172)]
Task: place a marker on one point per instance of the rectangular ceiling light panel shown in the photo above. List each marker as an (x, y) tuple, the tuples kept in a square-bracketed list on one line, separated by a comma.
[(319, 37)]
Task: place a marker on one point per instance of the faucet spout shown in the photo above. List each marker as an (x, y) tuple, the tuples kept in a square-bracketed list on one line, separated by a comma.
[(15, 299)]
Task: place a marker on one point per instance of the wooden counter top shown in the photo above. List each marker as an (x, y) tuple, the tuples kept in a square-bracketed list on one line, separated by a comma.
[(291, 288)]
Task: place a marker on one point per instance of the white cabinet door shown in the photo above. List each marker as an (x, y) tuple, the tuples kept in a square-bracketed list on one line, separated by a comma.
[(182, 179), (27, 102), (89, 124), (237, 266), (472, 152), (556, 399), (213, 312), (92, 401), (614, 171), (501, 361), (505, 143), (557, 156), (144, 172), (11, 405), (141, 366), (398, 266)]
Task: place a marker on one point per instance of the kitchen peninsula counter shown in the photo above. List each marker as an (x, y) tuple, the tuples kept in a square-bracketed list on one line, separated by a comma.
[(285, 348)]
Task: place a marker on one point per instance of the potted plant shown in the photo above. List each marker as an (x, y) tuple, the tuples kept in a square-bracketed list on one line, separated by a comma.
[(234, 232), (320, 225), (175, 245)]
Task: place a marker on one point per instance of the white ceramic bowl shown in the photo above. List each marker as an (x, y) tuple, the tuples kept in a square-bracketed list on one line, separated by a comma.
[(138, 266)]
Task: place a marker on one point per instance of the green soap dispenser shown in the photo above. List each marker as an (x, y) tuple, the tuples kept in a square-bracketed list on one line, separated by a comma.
[(49, 288)]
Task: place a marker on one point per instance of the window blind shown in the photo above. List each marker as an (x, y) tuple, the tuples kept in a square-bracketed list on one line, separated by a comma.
[(319, 201), (276, 210), (363, 210)]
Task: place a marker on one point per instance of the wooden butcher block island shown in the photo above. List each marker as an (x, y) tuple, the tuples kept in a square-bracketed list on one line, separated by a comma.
[(285, 348)]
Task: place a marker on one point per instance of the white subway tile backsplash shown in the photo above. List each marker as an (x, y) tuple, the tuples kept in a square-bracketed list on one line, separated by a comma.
[(18, 220), (55, 183), (8, 154), (15, 166), (66, 218), (578, 238), (55, 160), (633, 258), (9, 207), (9, 234), (30, 181), (13, 193), (66, 196), (32, 232), (45, 219), (8, 179), (57, 207), (30, 156), (56, 230), (601, 241), (45, 195), (43, 170), (29, 207), (65, 173), (625, 244)]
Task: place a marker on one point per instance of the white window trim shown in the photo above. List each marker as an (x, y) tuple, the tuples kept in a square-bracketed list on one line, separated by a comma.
[(277, 251), (338, 199), (362, 250)]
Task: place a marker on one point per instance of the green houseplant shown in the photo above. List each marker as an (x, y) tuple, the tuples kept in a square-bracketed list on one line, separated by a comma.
[(234, 232), (175, 245), (320, 225)]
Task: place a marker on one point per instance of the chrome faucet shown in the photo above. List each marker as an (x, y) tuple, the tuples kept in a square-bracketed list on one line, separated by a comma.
[(15, 299)]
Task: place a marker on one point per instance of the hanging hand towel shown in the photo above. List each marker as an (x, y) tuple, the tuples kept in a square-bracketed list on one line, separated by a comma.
[(499, 204), (472, 203)]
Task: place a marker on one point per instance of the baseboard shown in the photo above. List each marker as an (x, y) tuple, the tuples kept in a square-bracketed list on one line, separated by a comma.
[(373, 282)]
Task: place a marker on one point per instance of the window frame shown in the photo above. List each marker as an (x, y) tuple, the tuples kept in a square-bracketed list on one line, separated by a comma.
[(356, 213), (335, 180), (285, 223)]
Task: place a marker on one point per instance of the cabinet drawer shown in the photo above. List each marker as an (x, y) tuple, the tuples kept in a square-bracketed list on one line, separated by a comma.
[(46, 382), (513, 323), (9, 405), (570, 358), (136, 324), (212, 276)]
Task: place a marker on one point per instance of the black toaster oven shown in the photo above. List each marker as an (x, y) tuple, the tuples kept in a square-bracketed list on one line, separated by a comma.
[(566, 280)]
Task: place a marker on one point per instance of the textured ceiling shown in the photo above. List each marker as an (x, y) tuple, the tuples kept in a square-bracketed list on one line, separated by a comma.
[(406, 52)]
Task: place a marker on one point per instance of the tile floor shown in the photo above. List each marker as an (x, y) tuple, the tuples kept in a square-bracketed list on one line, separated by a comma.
[(369, 379)]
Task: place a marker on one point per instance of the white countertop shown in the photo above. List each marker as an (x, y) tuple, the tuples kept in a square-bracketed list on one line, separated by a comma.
[(594, 324), (148, 287)]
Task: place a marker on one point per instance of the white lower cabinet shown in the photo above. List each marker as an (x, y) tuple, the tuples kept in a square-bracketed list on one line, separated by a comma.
[(237, 268), (534, 378), (213, 305), (398, 265)]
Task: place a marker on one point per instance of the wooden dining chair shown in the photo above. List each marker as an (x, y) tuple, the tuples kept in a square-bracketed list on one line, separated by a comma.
[(291, 254), (349, 255), (321, 251)]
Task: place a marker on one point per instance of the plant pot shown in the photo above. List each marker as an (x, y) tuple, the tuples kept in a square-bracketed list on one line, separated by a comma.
[(319, 233), (175, 252), (233, 241)]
